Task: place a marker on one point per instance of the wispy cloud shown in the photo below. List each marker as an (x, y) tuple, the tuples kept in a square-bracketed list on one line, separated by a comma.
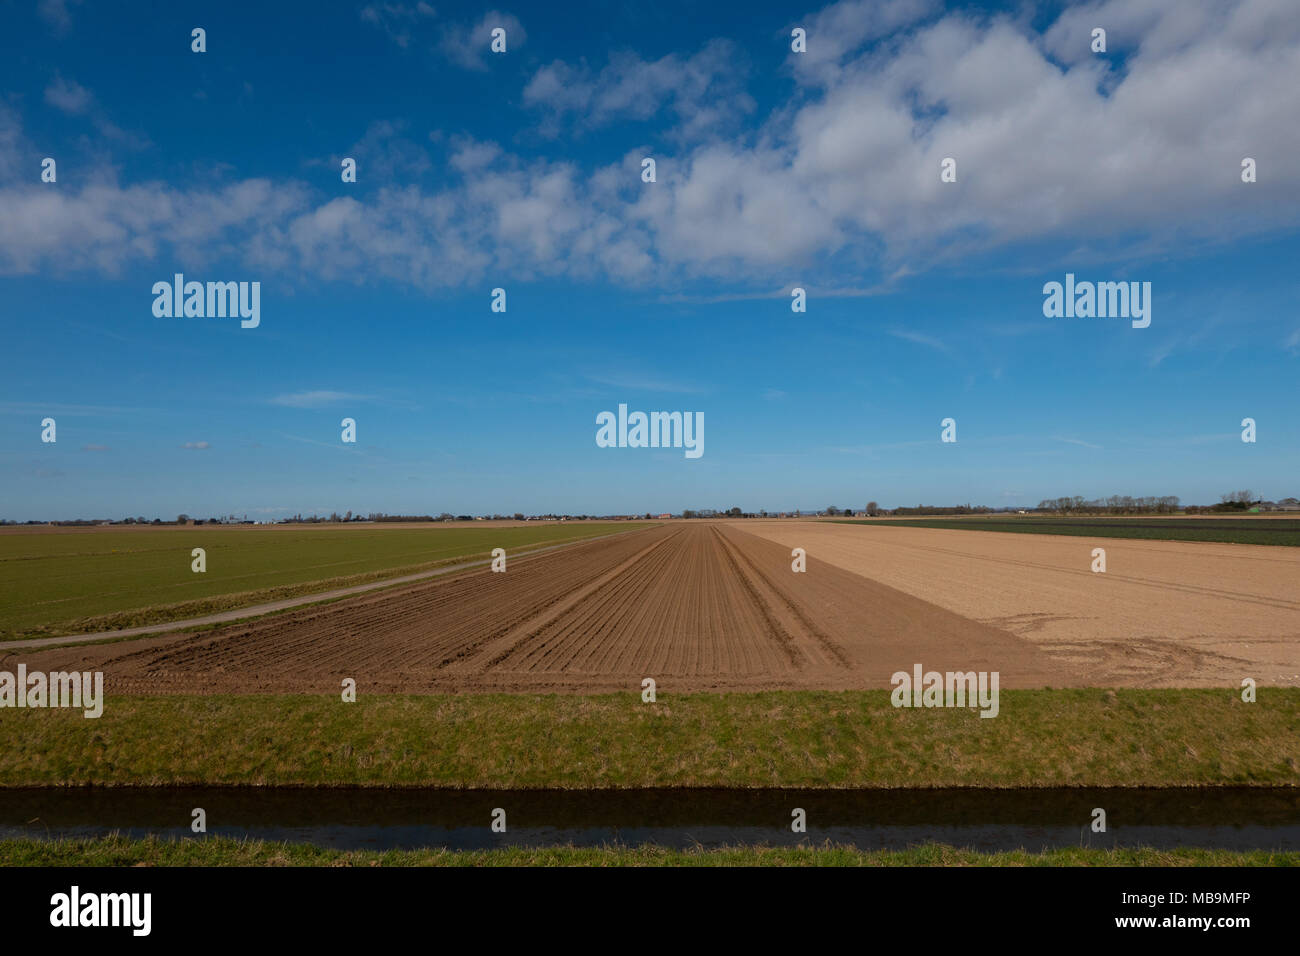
[(871, 449), (1011, 329), (56, 14), (637, 383), (68, 96), (397, 19), (1076, 441), (920, 338), (704, 90), (335, 445), (682, 297), (74, 99), (196, 445), (813, 292), (316, 399), (1194, 439), (469, 47)]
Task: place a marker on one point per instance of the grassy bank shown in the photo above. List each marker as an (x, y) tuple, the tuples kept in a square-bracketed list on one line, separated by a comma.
[(1041, 738), (216, 851), (1277, 531), (98, 579)]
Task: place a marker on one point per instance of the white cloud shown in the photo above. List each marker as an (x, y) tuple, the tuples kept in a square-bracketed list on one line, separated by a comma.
[(469, 47), (841, 28), (1095, 158), (103, 226), (1161, 32), (68, 96), (704, 90), (471, 156), (1042, 153), (196, 445)]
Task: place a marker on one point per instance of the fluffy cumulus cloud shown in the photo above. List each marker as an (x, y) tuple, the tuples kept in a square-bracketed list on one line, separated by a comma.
[(105, 226), (1127, 153), (1043, 152), (835, 32)]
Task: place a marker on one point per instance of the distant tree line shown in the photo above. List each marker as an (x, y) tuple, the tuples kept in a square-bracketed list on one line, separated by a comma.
[(1114, 505), (1244, 500), (1233, 501), (966, 509)]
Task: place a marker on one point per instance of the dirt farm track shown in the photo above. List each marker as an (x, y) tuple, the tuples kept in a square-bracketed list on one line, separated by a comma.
[(715, 606)]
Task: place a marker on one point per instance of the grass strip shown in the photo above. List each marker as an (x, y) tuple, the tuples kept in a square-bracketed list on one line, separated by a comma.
[(808, 739), (117, 850)]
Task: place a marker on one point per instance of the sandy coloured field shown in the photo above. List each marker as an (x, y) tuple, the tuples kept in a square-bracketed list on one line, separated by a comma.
[(716, 606), (1164, 614)]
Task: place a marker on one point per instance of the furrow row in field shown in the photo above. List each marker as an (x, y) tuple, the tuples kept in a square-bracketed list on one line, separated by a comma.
[(685, 613), (813, 643), (401, 635)]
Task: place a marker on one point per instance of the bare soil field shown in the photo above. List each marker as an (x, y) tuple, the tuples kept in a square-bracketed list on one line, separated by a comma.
[(694, 605), (715, 606), (1164, 614)]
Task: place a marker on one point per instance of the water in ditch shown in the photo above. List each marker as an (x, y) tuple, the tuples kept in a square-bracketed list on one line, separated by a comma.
[(1035, 820)]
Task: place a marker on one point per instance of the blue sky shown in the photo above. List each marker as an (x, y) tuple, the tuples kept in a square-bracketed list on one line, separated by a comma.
[(522, 171)]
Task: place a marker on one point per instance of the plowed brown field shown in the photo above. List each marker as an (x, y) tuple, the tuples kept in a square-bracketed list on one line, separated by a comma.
[(694, 605)]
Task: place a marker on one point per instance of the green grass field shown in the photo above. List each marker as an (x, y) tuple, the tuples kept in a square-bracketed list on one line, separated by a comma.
[(81, 581), (219, 851), (807, 739), (1276, 531)]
